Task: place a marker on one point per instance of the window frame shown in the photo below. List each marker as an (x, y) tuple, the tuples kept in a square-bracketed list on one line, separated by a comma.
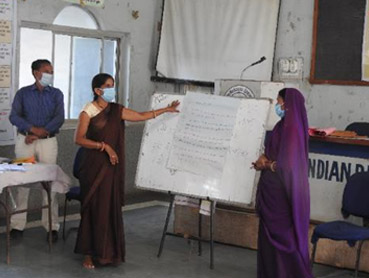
[(122, 74)]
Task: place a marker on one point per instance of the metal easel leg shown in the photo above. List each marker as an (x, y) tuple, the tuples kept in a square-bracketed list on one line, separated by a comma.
[(166, 224), (200, 235), (211, 234)]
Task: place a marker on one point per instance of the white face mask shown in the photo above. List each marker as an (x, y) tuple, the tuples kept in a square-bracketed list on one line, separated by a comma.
[(46, 79)]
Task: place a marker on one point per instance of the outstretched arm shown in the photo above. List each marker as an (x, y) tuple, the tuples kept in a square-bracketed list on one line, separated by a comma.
[(134, 116)]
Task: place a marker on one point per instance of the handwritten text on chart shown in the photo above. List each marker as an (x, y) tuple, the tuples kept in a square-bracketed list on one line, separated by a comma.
[(202, 138), (5, 73), (5, 31), (4, 98), (5, 54)]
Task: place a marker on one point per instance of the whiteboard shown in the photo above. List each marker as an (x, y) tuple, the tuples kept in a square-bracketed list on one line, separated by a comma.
[(235, 185)]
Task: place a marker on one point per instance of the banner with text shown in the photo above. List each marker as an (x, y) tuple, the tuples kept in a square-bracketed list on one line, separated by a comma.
[(7, 29), (328, 175)]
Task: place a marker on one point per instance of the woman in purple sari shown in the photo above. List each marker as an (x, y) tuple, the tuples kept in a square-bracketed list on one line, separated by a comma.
[(283, 199), (100, 132)]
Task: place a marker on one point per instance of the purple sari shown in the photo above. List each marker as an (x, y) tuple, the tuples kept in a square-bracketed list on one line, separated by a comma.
[(283, 198)]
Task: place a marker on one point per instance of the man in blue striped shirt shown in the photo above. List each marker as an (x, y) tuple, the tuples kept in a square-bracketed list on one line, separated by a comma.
[(38, 114)]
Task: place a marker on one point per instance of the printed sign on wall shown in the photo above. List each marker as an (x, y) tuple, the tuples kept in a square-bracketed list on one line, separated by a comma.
[(7, 28), (328, 175)]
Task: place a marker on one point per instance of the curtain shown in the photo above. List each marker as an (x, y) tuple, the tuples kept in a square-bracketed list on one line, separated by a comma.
[(216, 39)]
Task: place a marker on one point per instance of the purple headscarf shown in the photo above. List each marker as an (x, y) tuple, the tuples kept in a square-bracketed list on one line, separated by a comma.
[(292, 163)]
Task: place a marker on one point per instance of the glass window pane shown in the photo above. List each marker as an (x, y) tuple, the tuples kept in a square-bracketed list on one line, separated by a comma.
[(110, 57), (85, 65), (34, 44), (62, 68)]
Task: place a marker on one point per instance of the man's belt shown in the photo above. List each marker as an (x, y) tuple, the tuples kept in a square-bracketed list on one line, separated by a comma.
[(30, 133)]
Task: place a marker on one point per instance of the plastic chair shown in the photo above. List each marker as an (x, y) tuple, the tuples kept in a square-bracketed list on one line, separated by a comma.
[(361, 128), (354, 202), (74, 192)]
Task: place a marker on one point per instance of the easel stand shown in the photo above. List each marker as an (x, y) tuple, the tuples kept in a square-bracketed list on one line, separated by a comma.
[(199, 238)]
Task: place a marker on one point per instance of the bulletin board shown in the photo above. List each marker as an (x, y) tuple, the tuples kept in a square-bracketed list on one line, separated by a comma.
[(337, 45), (7, 43)]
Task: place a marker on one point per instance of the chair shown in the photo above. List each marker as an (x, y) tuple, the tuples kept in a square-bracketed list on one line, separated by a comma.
[(354, 202), (361, 128), (74, 192)]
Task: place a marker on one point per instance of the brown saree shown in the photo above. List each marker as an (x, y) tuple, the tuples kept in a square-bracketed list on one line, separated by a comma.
[(101, 232)]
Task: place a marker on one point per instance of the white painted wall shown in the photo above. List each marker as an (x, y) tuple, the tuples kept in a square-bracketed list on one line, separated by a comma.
[(116, 16), (327, 105)]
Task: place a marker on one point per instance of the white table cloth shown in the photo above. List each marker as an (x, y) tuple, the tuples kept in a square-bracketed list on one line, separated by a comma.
[(35, 173)]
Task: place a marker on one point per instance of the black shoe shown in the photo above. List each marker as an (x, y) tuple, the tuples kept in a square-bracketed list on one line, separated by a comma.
[(54, 236), (16, 234)]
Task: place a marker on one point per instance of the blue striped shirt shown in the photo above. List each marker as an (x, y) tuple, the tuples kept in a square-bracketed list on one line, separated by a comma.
[(32, 108)]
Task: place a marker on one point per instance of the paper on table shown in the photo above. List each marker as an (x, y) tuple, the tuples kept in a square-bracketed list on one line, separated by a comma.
[(12, 168)]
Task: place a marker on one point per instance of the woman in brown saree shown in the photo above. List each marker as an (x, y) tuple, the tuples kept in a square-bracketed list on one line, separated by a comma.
[(100, 132)]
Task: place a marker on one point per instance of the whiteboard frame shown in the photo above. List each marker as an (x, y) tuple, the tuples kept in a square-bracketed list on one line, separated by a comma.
[(185, 183)]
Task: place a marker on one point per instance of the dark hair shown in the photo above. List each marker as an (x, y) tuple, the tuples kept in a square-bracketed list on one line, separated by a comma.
[(282, 94), (36, 65), (98, 81)]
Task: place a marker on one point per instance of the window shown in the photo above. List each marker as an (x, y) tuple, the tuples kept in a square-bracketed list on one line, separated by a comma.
[(76, 52)]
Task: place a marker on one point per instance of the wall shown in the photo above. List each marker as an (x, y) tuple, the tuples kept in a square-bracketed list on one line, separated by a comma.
[(327, 105), (116, 16)]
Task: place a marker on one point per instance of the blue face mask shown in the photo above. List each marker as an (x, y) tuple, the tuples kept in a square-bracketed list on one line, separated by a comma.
[(109, 94), (279, 111), (46, 79)]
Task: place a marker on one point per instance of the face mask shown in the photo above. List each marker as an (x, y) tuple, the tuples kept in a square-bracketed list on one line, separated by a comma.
[(279, 111), (109, 94), (46, 79)]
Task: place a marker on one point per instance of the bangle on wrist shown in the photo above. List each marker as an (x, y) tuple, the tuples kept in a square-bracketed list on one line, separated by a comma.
[(102, 146), (273, 166)]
